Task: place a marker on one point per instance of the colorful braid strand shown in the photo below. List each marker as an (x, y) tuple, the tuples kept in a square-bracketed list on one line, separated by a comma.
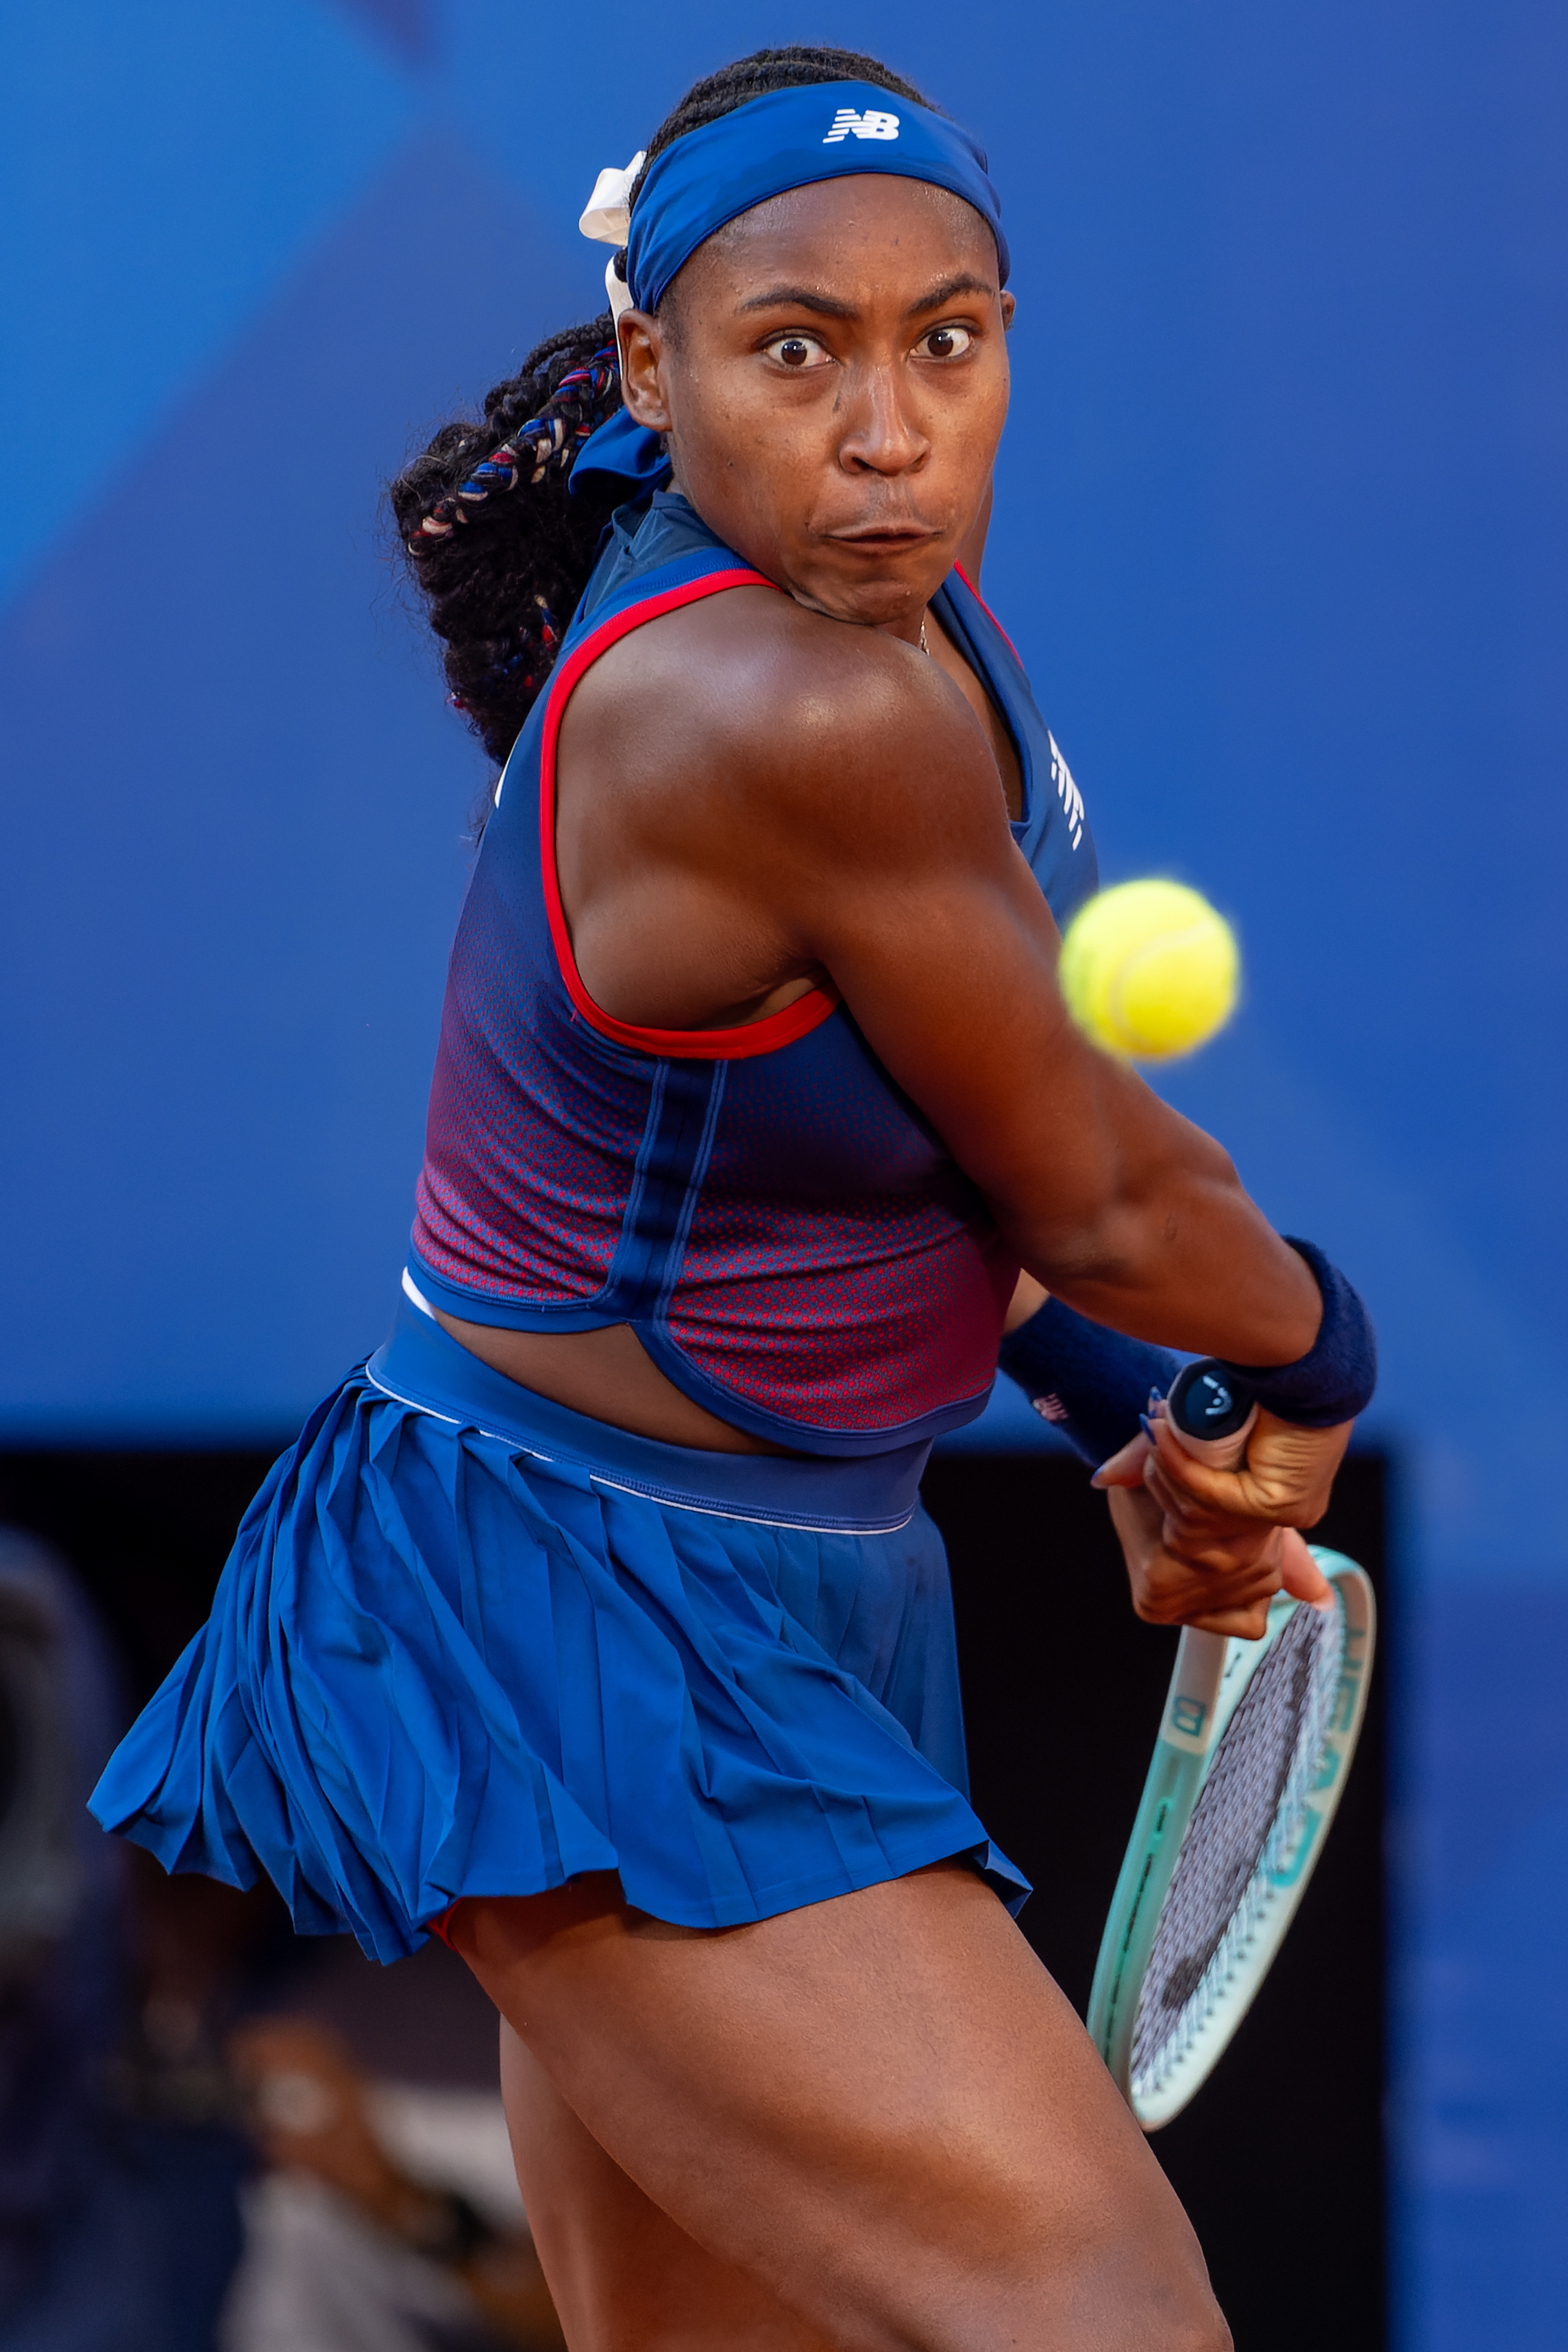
[(545, 440)]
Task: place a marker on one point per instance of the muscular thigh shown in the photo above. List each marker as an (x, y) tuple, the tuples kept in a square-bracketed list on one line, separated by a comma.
[(625, 2278), (878, 2109)]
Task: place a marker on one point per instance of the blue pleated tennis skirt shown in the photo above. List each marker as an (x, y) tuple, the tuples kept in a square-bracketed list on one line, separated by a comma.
[(470, 1642)]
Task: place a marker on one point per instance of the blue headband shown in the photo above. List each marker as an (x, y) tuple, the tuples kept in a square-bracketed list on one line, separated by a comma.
[(790, 139)]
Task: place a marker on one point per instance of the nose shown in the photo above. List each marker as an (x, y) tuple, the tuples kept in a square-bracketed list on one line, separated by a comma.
[(879, 433)]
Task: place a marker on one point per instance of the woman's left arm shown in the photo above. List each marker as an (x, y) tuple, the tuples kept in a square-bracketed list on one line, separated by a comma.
[(1171, 1588), (1189, 1562)]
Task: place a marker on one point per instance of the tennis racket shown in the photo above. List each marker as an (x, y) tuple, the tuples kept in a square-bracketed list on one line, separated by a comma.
[(1254, 1750)]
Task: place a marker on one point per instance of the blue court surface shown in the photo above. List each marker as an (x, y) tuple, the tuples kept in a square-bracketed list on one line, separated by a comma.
[(1280, 532)]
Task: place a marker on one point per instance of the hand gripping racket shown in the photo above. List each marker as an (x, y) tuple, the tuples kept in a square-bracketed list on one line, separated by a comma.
[(1254, 1748)]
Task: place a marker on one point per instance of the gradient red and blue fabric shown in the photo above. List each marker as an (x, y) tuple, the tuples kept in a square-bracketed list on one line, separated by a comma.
[(792, 1242)]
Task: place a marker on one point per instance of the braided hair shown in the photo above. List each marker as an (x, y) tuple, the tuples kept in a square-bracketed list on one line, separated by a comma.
[(496, 547)]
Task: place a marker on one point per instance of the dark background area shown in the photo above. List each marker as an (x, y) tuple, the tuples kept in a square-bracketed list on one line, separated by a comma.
[(1063, 1694), (1063, 1690)]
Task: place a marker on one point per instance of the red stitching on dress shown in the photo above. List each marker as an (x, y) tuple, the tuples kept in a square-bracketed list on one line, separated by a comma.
[(797, 1020), (990, 615)]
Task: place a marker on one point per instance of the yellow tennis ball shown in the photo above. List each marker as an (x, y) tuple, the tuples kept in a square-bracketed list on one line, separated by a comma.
[(1149, 969)]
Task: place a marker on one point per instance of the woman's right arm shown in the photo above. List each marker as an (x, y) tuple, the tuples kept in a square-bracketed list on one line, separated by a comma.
[(912, 895), (753, 794)]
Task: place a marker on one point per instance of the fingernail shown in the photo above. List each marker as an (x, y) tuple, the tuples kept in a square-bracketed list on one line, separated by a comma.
[(1148, 1427)]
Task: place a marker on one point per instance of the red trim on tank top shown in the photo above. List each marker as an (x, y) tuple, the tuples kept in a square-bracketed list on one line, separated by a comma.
[(990, 615), (765, 1036)]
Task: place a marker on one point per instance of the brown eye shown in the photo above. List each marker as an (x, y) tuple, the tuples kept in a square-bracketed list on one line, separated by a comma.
[(946, 342), (797, 351)]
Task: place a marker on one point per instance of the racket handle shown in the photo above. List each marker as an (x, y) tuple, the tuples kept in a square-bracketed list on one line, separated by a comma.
[(1211, 1411)]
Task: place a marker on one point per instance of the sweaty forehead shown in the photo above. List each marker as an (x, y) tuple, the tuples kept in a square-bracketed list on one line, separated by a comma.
[(833, 236)]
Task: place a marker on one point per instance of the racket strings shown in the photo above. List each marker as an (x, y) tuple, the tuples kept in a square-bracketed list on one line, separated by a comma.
[(1248, 1817)]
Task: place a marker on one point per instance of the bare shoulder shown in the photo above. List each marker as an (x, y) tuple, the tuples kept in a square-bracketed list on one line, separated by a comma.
[(751, 701)]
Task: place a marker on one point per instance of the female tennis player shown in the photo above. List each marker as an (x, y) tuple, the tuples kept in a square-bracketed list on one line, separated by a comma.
[(594, 1621)]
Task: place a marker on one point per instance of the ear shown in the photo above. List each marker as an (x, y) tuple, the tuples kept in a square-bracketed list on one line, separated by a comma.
[(642, 390), (1009, 305)]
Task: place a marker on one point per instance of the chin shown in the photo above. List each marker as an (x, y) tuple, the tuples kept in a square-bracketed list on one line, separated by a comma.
[(875, 603), (880, 587)]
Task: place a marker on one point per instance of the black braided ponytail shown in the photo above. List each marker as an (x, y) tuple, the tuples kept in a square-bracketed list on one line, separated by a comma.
[(496, 546)]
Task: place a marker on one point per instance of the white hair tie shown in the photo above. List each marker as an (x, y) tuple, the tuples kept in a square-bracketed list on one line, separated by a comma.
[(608, 219)]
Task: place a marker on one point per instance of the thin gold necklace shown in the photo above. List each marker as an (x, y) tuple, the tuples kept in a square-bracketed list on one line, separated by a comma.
[(925, 648)]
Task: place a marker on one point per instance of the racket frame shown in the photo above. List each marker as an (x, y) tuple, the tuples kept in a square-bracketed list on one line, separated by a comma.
[(1211, 1676)]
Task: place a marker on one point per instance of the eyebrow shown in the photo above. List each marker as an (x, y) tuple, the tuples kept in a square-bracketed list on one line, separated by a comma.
[(808, 297)]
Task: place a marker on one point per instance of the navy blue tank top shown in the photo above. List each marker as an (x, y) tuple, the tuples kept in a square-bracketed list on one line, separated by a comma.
[(786, 1233)]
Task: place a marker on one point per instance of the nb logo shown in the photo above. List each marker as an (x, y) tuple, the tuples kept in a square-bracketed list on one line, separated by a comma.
[(848, 124)]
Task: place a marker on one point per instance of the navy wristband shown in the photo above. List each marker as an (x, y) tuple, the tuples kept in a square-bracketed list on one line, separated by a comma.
[(1334, 1379), (1093, 1384)]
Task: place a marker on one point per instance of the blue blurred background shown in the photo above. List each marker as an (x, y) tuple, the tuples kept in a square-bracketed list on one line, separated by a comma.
[(1280, 533)]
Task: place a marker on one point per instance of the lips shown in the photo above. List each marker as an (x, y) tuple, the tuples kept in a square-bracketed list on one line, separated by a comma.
[(882, 538)]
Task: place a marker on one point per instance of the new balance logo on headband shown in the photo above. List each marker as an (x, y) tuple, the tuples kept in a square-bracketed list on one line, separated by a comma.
[(869, 125)]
